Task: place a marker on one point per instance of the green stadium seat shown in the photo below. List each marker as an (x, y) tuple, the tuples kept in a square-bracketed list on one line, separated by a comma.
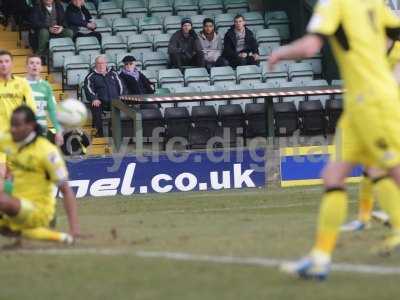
[(295, 99), (197, 76), (264, 52), (161, 42), (236, 6), (300, 72), (124, 27), (88, 45), (109, 10), (278, 74), (268, 37), (224, 21), (172, 24), (313, 83), (185, 90), (211, 88), (59, 49), (211, 7), (280, 21), (155, 60), (91, 8), (152, 76), (186, 7), (254, 20), (75, 69), (139, 41), (222, 74), (135, 8), (248, 74), (150, 25), (103, 26), (240, 87), (315, 62), (113, 45), (337, 83), (170, 78), (160, 8)]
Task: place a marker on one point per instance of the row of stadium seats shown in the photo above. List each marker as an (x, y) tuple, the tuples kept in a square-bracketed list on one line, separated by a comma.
[(311, 117), (203, 124), (232, 122), (155, 24), (126, 41), (138, 9)]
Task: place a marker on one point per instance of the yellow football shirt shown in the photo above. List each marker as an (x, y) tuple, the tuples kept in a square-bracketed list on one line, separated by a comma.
[(36, 167), (13, 93), (357, 31)]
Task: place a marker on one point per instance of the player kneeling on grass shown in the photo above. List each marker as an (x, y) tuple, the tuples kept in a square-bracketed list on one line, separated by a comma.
[(36, 165)]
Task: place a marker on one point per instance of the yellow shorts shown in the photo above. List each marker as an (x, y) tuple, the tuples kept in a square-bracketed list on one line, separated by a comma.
[(370, 135), (3, 158), (30, 216)]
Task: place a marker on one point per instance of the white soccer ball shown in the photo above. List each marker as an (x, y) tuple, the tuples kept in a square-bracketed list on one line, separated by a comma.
[(71, 113)]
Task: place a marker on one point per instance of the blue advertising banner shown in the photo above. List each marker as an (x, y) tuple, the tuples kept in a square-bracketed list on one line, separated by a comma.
[(303, 165), (189, 171)]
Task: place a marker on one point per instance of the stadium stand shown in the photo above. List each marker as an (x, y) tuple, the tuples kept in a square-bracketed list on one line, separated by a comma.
[(142, 28)]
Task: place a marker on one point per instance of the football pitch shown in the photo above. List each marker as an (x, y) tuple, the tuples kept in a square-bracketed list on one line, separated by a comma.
[(214, 245)]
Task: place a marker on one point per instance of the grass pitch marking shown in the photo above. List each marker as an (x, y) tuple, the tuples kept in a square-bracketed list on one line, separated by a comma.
[(181, 256)]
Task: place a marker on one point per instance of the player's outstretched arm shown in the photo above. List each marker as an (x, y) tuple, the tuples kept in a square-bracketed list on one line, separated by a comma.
[(71, 209), (305, 47)]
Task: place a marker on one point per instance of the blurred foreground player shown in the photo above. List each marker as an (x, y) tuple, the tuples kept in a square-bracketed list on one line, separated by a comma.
[(368, 130), (14, 91), (36, 165)]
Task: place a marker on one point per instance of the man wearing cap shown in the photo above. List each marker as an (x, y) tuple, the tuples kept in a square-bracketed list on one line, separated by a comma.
[(184, 47), (134, 81)]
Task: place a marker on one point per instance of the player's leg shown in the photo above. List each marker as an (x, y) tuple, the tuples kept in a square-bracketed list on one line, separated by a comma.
[(24, 216), (365, 205), (333, 209), (46, 234)]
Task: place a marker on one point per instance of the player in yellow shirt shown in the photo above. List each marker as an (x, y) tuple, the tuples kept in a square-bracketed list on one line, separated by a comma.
[(36, 165), (14, 91), (366, 197), (368, 130)]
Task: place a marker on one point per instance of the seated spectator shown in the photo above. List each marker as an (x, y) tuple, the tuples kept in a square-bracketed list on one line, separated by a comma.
[(47, 19), (240, 45), (212, 46), (101, 87), (78, 17), (135, 83), (184, 47)]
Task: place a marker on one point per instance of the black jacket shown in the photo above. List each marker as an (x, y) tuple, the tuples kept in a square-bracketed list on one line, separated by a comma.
[(133, 87), (189, 46), (103, 87), (38, 16), (250, 43), (76, 17)]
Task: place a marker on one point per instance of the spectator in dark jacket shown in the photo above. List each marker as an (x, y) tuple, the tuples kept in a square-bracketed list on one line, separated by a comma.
[(184, 47), (80, 20), (101, 87), (240, 45), (135, 83), (47, 19)]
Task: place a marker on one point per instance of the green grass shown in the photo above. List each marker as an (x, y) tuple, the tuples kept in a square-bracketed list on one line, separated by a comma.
[(278, 223)]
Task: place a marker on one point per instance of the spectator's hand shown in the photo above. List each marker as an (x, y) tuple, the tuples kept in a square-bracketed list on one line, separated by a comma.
[(59, 139), (256, 56), (53, 29), (96, 103), (243, 55), (59, 29), (91, 25)]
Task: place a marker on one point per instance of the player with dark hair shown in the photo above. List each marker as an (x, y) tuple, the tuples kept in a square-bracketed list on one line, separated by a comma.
[(36, 165)]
